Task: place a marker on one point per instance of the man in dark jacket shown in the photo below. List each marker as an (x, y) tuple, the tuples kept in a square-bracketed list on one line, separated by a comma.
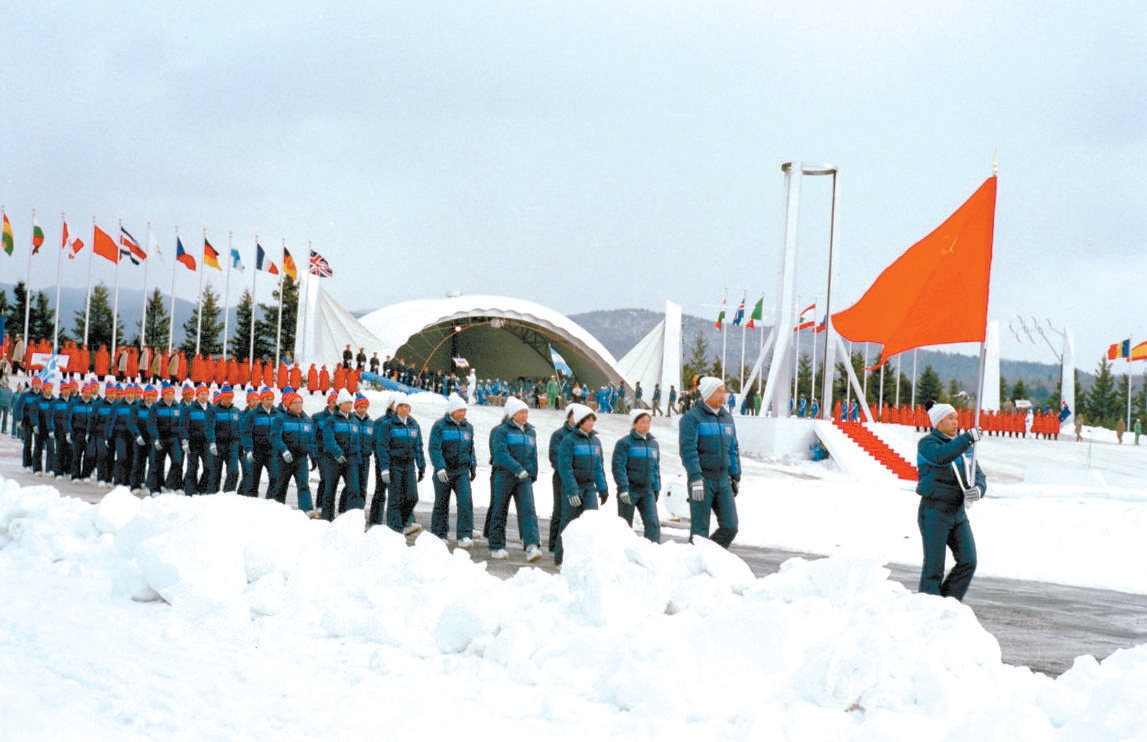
[(708, 445), (946, 485), (455, 466), (555, 444), (293, 438), (398, 447), (637, 472), (164, 422), (197, 437)]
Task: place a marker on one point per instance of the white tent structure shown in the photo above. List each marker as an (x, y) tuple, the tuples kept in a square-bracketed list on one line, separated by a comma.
[(500, 337), (324, 328), (656, 359)]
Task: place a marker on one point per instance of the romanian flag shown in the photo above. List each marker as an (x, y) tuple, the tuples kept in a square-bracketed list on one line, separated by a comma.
[(289, 265), (758, 314), (1122, 349), (261, 262), (9, 242), (1139, 352), (210, 257), (37, 238), (182, 256)]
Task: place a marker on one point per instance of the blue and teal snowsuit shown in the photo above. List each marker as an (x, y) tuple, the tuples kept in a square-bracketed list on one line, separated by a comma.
[(709, 452), (514, 450), (637, 470), (941, 516), (582, 470), (293, 434), (452, 451), (398, 447)]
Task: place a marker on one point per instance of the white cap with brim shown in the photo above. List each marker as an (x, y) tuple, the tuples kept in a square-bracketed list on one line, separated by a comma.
[(580, 413), (707, 386), (939, 411), (635, 415), (513, 406), (454, 403), (344, 396)]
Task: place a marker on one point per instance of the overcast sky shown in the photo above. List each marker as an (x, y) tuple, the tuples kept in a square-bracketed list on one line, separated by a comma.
[(591, 155)]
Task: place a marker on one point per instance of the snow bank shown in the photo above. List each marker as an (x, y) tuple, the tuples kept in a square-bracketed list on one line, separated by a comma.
[(632, 640)]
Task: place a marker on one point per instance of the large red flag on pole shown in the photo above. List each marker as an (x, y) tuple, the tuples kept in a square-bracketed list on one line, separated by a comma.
[(937, 291), (104, 246)]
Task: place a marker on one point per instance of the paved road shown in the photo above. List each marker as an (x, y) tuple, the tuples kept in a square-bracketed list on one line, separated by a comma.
[(1039, 625)]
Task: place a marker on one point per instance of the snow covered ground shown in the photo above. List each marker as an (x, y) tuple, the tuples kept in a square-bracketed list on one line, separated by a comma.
[(230, 618)]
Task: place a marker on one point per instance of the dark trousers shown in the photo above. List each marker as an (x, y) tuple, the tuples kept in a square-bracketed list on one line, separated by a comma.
[(645, 504), (297, 470), (105, 458), (83, 454), (941, 531), (333, 471), (570, 512), (169, 451), (62, 461), (459, 483), (378, 502), (42, 450), (228, 457), (719, 500), (556, 513), (28, 441), (508, 487), (141, 455), (124, 447), (403, 495), (264, 459), (195, 482)]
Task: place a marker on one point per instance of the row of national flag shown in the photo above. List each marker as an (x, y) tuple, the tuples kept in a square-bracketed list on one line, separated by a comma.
[(739, 316), (1124, 349), (130, 248)]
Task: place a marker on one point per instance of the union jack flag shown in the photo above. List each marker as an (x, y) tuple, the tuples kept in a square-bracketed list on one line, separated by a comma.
[(319, 266)]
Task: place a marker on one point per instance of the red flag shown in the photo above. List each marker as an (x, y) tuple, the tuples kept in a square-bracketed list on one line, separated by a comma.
[(104, 246), (937, 291)]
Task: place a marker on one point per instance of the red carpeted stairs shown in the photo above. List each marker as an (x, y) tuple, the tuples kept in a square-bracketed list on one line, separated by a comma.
[(878, 450)]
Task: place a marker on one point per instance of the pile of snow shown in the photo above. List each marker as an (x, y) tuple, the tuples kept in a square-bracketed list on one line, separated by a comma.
[(227, 617)]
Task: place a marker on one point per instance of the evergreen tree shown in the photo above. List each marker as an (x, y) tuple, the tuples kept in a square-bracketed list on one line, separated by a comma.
[(905, 389), (100, 324), (1101, 403), (954, 397), (698, 362), (42, 318), (4, 307), (1005, 390), (930, 388), (804, 376), (1019, 391), (240, 344), (211, 330), (14, 319), (268, 324), (158, 330), (1139, 402)]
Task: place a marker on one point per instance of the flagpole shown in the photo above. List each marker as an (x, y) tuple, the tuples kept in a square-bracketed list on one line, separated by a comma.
[(171, 319), (88, 301), (199, 296), (254, 306), (115, 303), (59, 270), (741, 376), (302, 310), (226, 294), (279, 327), (796, 358), (812, 377), (898, 374), (28, 286), (143, 320)]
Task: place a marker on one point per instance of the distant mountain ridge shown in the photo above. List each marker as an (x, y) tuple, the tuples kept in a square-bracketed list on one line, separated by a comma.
[(621, 329)]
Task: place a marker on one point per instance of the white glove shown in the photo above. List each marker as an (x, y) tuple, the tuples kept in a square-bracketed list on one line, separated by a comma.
[(250, 457), (139, 441), (288, 457), (624, 497), (524, 475), (185, 446), (385, 476), (975, 434), (697, 490), (213, 449), (971, 494), (575, 500), (157, 445), (442, 476), (341, 459)]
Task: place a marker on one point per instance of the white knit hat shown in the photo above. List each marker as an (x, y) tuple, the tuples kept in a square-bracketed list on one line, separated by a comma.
[(707, 386), (454, 403), (513, 406), (939, 411), (344, 396), (580, 413), (636, 413)]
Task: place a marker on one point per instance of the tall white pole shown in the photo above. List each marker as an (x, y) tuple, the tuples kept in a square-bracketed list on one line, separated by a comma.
[(88, 301), (279, 327), (226, 295), (143, 319), (199, 297), (915, 378), (28, 285), (115, 303), (171, 319), (254, 306), (59, 271)]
